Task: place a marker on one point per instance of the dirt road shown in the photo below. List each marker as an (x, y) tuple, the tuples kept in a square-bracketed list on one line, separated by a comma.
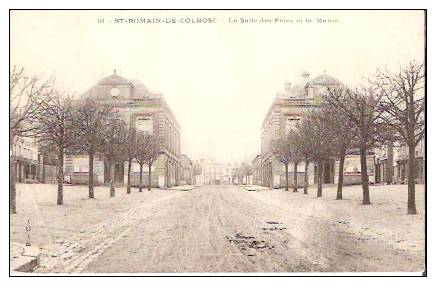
[(227, 229)]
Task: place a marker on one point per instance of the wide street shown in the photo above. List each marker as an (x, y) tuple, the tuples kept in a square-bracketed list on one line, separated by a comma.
[(229, 229)]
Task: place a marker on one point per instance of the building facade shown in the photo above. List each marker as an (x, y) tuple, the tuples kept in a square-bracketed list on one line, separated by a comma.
[(212, 173), (149, 113), (391, 163), (26, 159), (386, 164), (286, 111)]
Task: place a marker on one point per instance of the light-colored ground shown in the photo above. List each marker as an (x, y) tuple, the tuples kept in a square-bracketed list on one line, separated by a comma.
[(50, 222), (227, 229)]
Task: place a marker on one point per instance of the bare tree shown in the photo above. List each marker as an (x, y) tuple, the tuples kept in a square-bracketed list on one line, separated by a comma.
[(196, 170), (402, 103), (246, 171), (319, 137), (89, 126), (24, 98), (115, 136), (129, 149), (301, 146), (152, 146), (141, 155), (343, 131), (54, 122), (299, 154), (296, 156), (282, 151), (359, 106)]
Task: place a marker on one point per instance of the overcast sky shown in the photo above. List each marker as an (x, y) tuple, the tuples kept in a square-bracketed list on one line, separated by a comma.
[(218, 78)]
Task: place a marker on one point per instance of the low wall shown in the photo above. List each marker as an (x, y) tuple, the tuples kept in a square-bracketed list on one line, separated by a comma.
[(134, 179), (352, 179), (82, 179), (300, 180)]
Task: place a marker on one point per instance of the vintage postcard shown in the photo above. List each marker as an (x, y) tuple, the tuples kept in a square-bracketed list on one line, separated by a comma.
[(217, 142)]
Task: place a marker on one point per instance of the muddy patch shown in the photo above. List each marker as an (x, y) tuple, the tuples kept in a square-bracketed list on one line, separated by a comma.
[(249, 245), (273, 225)]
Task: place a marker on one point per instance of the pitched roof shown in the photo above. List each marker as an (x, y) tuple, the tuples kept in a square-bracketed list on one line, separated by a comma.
[(324, 80), (113, 79)]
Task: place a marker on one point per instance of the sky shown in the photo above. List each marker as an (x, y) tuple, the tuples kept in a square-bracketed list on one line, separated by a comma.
[(219, 78)]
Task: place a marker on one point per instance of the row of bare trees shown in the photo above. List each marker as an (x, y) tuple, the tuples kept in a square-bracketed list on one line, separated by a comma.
[(390, 109), (242, 173), (40, 110)]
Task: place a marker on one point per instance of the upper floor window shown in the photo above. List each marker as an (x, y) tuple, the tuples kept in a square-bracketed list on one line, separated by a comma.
[(291, 123), (145, 124)]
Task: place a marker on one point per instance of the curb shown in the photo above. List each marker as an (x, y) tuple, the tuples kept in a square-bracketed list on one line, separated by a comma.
[(27, 261)]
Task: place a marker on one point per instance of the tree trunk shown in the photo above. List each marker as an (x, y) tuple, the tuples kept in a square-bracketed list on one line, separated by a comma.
[(411, 206), (364, 174), (295, 177), (341, 174), (112, 178), (60, 168), (13, 191), (287, 177), (390, 163), (140, 177), (149, 177), (43, 172), (320, 178), (91, 173), (129, 170), (306, 179)]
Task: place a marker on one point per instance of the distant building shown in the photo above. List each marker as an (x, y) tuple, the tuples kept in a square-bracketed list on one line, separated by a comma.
[(148, 112), (212, 173), (186, 170)]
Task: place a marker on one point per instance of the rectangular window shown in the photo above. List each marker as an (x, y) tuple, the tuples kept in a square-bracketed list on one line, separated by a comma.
[(145, 124), (80, 165), (291, 123)]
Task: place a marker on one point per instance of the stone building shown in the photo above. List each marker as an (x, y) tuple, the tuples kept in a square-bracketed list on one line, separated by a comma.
[(391, 163), (26, 159), (285, 112), (148, 112), (212, 173)]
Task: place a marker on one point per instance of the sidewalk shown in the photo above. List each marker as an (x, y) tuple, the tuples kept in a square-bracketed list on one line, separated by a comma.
[(23, 258)]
